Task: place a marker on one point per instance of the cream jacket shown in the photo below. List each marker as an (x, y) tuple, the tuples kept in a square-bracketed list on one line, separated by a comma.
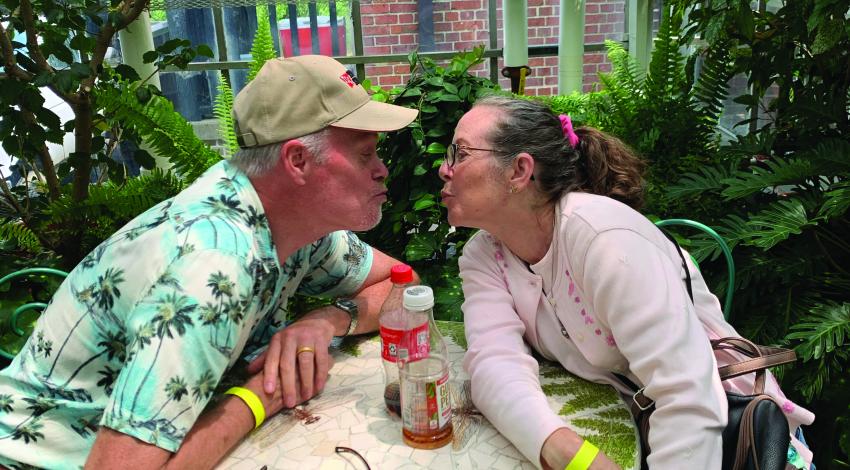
[(616, 285)]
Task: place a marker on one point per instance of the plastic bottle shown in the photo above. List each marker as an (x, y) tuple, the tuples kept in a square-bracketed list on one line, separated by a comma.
[(392, 324), (426, 409)]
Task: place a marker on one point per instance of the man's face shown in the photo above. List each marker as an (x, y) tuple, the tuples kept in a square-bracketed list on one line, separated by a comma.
[(350, 180)]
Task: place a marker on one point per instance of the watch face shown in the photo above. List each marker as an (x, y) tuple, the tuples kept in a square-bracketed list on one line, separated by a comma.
[(346, 304)]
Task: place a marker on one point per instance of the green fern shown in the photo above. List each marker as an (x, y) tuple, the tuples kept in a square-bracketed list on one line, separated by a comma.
[(262, 48), (624, 67), (18, 233), (223, 112), (666, 75), (161, 127), (121, 201), (710, 90)]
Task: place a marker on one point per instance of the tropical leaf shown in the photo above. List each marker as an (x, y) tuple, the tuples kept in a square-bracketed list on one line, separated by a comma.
[(709, 179), (836, 202), (835, 152), (821, 339), (823, 331), (774, 172), (776, 223)]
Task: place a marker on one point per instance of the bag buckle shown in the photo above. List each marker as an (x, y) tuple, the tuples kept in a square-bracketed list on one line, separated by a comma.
[(643, 403)]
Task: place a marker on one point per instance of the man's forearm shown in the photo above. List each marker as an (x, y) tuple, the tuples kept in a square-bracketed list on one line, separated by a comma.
[(214, 434), (220, 429)]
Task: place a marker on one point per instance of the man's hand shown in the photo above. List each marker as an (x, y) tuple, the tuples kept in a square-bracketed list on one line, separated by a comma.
[(303, 374)]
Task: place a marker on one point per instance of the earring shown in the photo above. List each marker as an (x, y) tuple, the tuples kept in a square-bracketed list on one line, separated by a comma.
[(512, 189)]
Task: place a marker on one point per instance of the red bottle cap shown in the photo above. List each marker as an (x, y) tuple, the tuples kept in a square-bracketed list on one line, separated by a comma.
[(401, 274)]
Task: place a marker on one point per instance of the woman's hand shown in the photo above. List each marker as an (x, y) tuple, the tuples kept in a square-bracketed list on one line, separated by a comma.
[(561, 446)]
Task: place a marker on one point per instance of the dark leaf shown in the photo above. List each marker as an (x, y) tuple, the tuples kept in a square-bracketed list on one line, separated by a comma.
[(150, 56), (144, 159), (205, 50), (143, 94), (127, 72), (80, 70)]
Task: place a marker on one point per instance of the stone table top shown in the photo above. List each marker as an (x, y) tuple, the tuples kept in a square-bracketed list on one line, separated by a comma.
[(351, 413)]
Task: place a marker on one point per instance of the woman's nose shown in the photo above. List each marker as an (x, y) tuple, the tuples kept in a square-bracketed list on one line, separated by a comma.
[(444, 171)]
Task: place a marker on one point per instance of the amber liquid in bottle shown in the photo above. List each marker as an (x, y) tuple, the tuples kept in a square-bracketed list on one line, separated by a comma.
[(430, 440)]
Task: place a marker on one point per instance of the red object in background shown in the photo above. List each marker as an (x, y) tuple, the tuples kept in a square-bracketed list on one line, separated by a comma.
[(305, 43)]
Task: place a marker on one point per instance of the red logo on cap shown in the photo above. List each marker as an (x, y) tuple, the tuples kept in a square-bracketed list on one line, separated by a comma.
[(347, 79)]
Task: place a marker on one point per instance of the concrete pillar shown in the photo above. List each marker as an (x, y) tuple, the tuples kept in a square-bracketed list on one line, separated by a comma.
[(571, 47)]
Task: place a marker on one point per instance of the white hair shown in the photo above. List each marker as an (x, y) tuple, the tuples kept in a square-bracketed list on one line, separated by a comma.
[(257, 161)]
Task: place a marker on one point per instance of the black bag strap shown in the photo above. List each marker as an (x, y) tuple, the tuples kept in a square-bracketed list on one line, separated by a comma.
[(684, 265)]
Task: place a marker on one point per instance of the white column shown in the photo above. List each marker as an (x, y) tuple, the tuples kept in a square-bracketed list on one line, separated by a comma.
[(515, 20), (137, 39), (640, 32), (571, 47)]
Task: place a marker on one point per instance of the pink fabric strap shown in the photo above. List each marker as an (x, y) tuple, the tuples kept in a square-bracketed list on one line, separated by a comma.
[(567, 127)]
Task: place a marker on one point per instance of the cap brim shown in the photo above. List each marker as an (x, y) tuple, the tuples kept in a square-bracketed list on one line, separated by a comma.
[(377, 117)]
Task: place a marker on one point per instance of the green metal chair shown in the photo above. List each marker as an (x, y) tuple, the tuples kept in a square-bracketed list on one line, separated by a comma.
[(13, 319), (724, 247)]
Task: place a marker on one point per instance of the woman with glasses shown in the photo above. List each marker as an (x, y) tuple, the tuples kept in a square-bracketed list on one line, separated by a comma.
[(566, 265)]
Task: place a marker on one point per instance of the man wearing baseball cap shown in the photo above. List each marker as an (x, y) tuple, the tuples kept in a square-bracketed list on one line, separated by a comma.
[(131, 349)]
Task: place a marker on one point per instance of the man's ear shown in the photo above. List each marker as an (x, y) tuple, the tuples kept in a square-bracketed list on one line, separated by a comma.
[(522, 170), (295, 161)]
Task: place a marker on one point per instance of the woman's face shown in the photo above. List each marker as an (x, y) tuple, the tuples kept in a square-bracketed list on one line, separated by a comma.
[(475, 187)]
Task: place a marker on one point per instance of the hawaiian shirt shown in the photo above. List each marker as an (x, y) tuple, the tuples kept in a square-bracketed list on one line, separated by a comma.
[(142, 330)]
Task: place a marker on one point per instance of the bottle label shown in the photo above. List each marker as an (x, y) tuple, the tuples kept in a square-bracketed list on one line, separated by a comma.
[(425, 405), (391, 340), (439, 404)]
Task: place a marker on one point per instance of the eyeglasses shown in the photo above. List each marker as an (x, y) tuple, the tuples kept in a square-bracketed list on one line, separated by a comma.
[(452, 153)]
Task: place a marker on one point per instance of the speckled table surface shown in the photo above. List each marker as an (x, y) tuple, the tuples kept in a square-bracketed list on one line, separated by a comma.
[(351, 413)]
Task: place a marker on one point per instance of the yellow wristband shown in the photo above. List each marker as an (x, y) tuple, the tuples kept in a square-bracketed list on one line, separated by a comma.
[(584, 457), (253, 401)]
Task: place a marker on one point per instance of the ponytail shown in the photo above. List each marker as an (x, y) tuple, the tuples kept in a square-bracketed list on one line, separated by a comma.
[(608, 167)]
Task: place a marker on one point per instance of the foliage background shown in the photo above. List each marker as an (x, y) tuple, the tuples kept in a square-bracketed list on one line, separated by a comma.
[(779, 193)]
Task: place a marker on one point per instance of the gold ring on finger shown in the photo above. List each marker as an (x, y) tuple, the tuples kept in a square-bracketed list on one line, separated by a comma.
[(303, 349)]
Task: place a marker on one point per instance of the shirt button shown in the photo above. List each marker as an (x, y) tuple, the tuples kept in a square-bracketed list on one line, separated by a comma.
[(564, 332), (552, 301)]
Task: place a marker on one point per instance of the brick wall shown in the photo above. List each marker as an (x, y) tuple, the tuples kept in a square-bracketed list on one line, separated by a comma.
[(392, 28)]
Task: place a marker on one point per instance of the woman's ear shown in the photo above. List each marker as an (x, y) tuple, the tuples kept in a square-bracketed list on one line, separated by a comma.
[(523, 170)]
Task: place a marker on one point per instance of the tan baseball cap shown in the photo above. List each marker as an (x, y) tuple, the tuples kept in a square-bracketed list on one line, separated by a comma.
[(296, 96)]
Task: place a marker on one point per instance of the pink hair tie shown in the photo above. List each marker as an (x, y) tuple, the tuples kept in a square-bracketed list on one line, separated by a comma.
[(567, 127)]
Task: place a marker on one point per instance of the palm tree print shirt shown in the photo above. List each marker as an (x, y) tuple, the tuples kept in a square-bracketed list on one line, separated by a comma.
[(142, 330)]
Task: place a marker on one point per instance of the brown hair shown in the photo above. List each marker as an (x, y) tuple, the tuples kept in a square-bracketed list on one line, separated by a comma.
[(600, 164)]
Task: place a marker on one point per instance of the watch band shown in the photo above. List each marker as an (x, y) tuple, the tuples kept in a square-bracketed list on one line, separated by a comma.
[(349, 307)]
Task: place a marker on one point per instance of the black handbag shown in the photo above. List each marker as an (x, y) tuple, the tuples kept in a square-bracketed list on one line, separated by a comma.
[(756, 436)]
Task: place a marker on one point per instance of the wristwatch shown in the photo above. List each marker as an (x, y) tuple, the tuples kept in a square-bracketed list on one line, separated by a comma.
[(349, 307)]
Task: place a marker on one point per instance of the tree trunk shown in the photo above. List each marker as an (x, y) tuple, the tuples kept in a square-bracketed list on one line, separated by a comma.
[(82, 159)]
